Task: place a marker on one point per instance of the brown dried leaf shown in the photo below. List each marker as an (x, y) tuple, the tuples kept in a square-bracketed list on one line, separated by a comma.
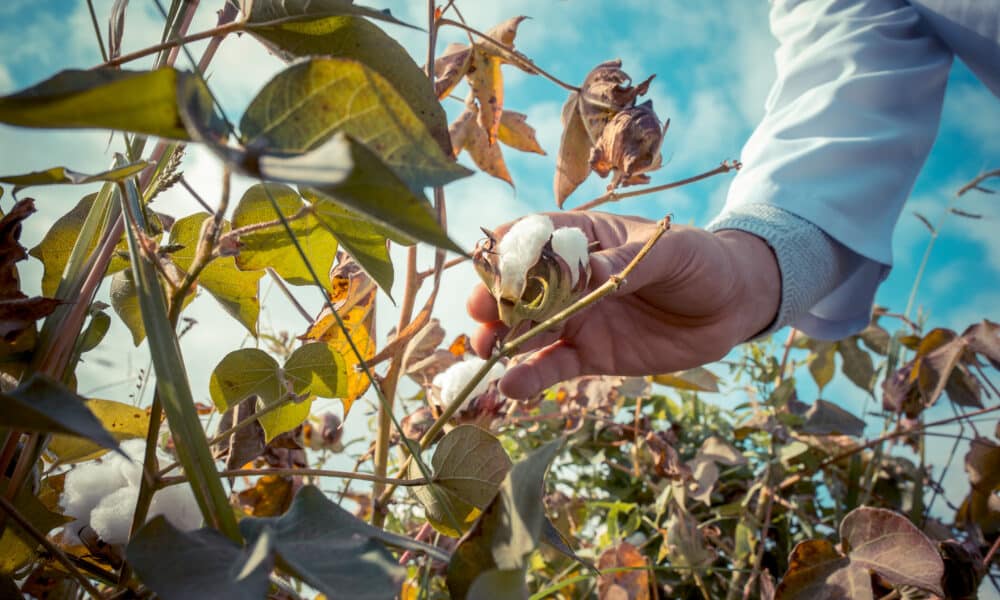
[(269, 497), (18, 313), (629, 146), (461, 128), (666, 461), (704, 466), (982, 463), (450, 67), (623, 585), (487, 156), (573, 161), (877, 541), (984, 340), (486, 82), (515, 132), (246, 443)]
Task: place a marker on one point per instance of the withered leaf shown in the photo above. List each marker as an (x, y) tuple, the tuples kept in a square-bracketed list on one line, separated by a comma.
[(486, 82), (630, 146), (450, 67), (573, 160), (354, 299), (461, 128), (984, 340), (487, 156), (982, 463), (270, 496), (18, 313), (515, 132), (625, 584)]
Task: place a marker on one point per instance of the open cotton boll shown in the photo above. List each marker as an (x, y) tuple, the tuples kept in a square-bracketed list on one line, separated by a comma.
[(177, 504), (519, 251), (572, 246), (453, 380), (112, 517), (102, 493)]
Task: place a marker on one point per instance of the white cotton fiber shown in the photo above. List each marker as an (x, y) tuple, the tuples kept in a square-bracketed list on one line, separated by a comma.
[(177, 504), (112, 517), (102, 493), (519, 251), (572, 245), (453, 380)]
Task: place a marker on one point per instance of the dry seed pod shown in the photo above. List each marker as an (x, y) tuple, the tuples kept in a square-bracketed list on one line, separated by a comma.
[(605, 92), (629, 146)]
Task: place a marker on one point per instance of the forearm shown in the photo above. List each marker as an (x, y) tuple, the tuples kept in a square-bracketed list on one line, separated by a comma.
[(759, 280)]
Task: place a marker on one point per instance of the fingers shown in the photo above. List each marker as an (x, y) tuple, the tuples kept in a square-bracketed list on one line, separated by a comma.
[(547, 367), (481, 305), (484, 338)]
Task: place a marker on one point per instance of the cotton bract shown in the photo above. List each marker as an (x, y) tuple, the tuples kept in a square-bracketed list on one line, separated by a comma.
[(535, 270), (102, 494), (453, 380)]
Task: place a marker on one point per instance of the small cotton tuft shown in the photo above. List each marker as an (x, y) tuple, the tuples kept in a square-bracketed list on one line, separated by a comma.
[(519, 250), (102, 493), (453, 380), (572, 246)]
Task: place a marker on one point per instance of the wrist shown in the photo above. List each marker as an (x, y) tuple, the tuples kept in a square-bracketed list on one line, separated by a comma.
[(758, 281)]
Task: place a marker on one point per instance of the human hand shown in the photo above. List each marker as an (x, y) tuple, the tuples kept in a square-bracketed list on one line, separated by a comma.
[(688, 302)]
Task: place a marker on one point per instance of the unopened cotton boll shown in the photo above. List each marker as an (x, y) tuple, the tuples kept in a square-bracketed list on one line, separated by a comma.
[(453, 380), (572, 245), (519, 250)]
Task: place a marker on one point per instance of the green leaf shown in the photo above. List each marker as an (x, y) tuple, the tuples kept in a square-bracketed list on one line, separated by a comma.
[(373, 191), (96, 329), (44, 405), (857, 364), (359, 237), (125, 301), (61, 175), (143, 102), (469, 464), (313, 369), (235, 290), (509, 529), (296, 15), (306, 103), (123, 421), (330, 549), (55, 248), (272, 247), (199, 565), (822, 365), (826, 418), (358, 39), (17, 547)]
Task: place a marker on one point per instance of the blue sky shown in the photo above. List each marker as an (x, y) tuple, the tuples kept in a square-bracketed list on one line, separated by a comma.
[(713, 68)]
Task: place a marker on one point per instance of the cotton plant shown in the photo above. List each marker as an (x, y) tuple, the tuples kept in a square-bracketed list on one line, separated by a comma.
[(102, 494), (535, 270)]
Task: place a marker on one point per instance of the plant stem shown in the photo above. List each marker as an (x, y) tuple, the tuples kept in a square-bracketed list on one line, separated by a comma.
[(523, 60), (57, 552), (793, 479), (288, 294), (303, 472), (220, 31), (97, 30), (614, 196)]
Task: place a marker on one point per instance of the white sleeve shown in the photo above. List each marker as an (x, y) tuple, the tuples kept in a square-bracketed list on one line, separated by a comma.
[(848, 124)]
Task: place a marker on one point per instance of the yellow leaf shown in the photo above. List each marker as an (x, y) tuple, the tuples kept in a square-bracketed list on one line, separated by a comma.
[(515, 132), (487, 156), (124, 421), (269, 497), (354, 298), (486, 81)]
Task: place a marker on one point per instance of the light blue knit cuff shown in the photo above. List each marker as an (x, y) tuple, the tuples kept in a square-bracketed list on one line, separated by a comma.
[(809, 260)]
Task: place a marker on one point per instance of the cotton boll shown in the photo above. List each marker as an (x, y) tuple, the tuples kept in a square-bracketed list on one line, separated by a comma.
[(453, 380), (519, 251), (572, 246), (86, 485), (112, 517), (177, 504)]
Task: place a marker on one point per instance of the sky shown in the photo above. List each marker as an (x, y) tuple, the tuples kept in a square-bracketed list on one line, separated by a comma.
[(713, 64)]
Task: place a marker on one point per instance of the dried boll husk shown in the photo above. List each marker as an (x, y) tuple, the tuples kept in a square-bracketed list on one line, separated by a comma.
[(629, 146), (548, 285), (605, 92)]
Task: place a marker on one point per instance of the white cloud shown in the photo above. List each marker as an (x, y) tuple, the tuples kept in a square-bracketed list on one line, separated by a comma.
[(6, 81)]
